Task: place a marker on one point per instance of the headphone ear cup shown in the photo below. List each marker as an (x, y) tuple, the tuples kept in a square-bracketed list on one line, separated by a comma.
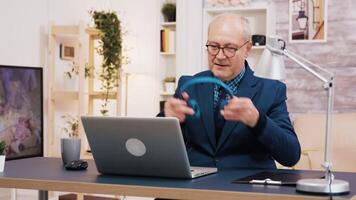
[(194, 105)]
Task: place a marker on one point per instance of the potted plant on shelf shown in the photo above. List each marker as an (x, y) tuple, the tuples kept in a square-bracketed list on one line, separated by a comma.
[(74, 70), (71, 144), (2, 155), (169, 84), (169, 12)]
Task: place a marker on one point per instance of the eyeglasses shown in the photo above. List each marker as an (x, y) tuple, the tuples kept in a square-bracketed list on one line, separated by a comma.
[(229, 52)]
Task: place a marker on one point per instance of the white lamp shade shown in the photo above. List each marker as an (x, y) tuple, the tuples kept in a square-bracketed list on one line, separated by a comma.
[(270, 66)]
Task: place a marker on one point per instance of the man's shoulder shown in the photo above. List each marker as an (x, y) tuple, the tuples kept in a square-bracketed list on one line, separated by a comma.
[(270, 84)]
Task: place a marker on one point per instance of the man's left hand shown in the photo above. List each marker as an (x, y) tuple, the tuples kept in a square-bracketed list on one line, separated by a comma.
[(241, 109)]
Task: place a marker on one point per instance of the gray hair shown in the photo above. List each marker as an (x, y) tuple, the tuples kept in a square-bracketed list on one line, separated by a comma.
[(246, 30)]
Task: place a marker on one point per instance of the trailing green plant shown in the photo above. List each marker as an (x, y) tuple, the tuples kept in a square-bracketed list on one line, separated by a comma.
[(169, 11), (2, 147), (110, 47), (71, 126)]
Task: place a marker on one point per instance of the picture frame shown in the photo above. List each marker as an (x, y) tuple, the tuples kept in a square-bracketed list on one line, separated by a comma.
[(307, 21), (67, 51), (21, 111)]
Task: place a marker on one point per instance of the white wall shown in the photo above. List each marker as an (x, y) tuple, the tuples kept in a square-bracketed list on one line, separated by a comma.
[(140, 22), (23, 39)]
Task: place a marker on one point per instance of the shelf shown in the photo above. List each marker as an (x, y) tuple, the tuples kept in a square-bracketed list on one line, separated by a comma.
[(167, 53), (259, 47), (100, 95), (65, 30), (65, 95), (235, 9), (93, 32), (253, 7), (74, 95), (167, 93), (168, 24)]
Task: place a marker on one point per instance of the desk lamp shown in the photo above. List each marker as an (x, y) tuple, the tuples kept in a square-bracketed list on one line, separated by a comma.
[(271, 65)]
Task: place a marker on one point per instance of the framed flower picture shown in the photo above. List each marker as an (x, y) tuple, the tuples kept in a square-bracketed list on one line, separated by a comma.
[(21, 111), (307, 20)]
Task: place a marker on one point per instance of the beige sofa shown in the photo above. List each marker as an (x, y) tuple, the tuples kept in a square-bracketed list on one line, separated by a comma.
[(310, 129)]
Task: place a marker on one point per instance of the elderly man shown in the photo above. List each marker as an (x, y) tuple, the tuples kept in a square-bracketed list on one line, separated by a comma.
[(254, 128)]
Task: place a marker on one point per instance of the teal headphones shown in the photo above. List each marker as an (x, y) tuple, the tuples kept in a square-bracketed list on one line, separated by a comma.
[(193, 103)]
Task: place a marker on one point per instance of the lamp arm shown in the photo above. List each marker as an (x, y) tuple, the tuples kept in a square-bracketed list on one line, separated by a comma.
[(304, 66), (328, 86), (271, 65), (312, 64), (330, 99), (281, 50)]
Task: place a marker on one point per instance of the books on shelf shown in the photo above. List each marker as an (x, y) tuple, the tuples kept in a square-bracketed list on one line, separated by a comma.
[(168, 40)]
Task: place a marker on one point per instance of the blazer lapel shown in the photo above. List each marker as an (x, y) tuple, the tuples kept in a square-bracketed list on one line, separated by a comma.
[(206, 100), (245, 89)]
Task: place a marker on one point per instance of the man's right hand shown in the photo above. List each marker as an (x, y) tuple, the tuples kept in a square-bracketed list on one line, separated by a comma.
[(178, 108)]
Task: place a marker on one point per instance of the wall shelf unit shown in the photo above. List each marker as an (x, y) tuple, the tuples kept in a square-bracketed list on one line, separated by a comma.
[(74, 96), (167, 55)]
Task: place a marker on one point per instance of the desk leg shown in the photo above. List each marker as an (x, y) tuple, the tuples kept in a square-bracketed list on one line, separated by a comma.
[(42, 195)]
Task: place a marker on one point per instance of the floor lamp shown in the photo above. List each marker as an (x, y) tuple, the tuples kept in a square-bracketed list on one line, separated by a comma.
[(271, 65)]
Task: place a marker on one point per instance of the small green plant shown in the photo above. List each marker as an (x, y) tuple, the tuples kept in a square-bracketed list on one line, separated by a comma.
[(75, 70), (71, 126), (2, 148), (169, 12), (170, 79)]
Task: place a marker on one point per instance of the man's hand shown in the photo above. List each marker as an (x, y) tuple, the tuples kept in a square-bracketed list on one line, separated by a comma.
[(178, 108), (241, 109)]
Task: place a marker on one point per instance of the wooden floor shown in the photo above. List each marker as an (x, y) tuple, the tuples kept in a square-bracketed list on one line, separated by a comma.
[(9, 194), (85, 197)]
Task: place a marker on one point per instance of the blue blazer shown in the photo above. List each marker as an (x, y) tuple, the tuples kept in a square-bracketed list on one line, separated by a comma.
[(239, 146)]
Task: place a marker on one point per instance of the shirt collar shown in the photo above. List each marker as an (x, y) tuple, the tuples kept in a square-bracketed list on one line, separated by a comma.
[(234, 83)]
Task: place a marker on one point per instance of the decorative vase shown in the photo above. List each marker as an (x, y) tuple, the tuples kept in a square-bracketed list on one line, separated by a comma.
[(2, 163), (70, 149)]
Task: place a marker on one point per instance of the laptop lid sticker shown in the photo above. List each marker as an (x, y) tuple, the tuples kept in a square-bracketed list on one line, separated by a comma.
[(135, 147)]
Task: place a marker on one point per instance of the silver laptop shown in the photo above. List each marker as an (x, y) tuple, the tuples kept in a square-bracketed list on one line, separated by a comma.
[(140, 146)]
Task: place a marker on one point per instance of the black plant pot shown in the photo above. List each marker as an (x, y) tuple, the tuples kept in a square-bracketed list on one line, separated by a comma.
[(170, 18)]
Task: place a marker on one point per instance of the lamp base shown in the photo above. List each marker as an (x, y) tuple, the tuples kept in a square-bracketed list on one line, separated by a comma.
[(322, 186)]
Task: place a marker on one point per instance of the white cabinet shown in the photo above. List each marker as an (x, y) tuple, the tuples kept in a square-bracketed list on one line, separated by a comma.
[(261, 19), (167, 53), (167, 60)]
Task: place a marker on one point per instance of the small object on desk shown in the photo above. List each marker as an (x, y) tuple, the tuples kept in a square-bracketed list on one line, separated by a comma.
[(77, 165), (288, 178), (266, 181)]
